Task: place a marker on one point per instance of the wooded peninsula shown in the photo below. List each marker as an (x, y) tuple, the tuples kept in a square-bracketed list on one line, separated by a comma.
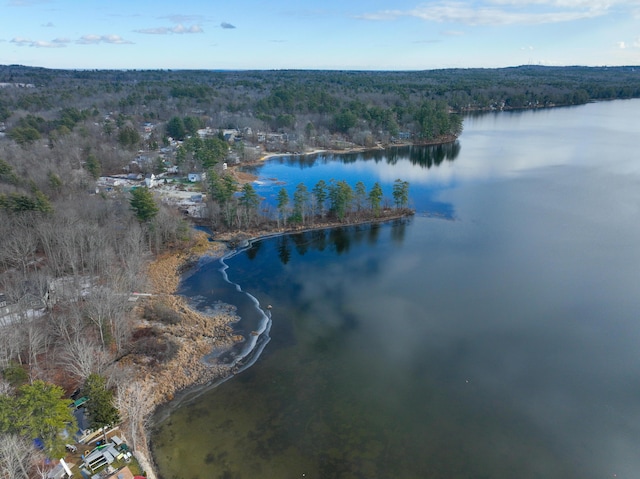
[(103, 174)]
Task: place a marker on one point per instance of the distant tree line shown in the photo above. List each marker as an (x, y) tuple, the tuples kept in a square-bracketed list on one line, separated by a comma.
[(314, 106)]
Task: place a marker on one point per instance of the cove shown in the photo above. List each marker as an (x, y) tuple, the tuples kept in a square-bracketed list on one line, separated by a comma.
[(498, 339)]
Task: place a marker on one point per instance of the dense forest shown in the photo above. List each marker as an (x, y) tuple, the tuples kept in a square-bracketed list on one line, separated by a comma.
[(364, 106), (72, 249)]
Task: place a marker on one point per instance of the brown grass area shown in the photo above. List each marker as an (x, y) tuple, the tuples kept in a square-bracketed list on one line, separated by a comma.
[(244, 177), (195, 335)]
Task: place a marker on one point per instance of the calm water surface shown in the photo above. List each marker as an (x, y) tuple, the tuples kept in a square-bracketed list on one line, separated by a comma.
[(496, 339)]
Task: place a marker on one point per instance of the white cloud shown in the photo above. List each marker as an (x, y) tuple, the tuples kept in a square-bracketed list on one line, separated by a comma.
[(622, 45), (89, 39), (227, 25), (178, 29), (44, 44), (21, 41), (493, 16), (27, 42), (115, 39), (96, 39), (503, 12)]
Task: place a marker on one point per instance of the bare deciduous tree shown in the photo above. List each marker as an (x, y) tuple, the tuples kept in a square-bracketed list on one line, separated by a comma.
[(23, 326), (133, 253), (66, 322), (34, 334), (81, 357), (16, 456), (10, 344), (104, 308), (19, 246), (133, 402)]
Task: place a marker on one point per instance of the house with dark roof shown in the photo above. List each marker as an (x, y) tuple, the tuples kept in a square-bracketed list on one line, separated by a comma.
[(29, 301)]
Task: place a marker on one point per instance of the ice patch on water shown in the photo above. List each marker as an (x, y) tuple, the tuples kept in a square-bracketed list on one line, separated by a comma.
[(244, 355)]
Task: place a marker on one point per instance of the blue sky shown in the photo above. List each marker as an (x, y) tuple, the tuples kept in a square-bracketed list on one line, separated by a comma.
[(332, 34)]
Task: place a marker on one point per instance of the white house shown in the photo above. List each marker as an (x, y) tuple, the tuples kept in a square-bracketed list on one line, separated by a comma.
[(150, 180), (205, 132)]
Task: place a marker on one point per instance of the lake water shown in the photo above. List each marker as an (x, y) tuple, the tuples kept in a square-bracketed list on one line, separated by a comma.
[(494, 335)]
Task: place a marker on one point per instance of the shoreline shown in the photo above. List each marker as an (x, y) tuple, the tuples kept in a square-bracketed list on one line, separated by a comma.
[(233, 238), (355, 149), (244, 177), (188, 375), (195, 335)]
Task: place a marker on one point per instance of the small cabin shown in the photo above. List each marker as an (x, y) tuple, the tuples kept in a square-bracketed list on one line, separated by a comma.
[(101, 456)]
